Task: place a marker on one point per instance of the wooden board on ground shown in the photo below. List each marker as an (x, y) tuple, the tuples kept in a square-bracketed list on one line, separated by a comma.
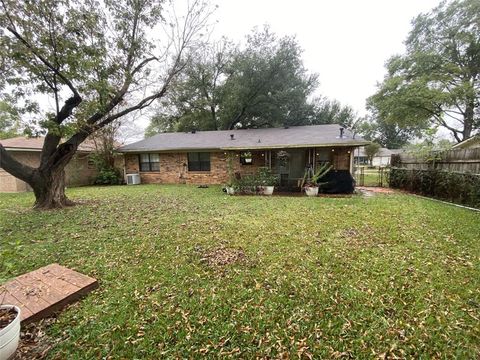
[(44, 291)]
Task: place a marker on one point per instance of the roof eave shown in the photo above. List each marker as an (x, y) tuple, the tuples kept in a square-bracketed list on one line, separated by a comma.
[(37, 149), (347, 144)]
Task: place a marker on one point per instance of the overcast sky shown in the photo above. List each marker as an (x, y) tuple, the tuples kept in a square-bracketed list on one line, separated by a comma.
[(345, 41)]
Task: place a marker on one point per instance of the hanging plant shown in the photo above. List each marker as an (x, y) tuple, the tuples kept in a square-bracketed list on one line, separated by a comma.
[(283, 157), (246, 157)]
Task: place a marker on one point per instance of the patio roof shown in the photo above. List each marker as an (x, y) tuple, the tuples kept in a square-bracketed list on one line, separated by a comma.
[(240, 139)]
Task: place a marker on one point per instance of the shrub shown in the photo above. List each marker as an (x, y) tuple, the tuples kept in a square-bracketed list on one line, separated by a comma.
[(108, 176), (264, 177), (245, 184), (462, 188), (250, 184)]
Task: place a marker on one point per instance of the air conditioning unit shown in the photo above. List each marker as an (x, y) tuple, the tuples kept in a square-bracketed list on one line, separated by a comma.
[(133, 179)]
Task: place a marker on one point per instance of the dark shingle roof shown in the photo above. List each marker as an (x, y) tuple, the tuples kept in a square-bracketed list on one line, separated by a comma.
[(295, 136), (36, 144)]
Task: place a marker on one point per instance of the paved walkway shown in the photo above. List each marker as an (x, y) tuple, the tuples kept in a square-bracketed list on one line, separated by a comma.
[(44, 291), (372, 190)]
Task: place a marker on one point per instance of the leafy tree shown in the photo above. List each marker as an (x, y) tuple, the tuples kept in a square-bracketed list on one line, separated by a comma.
[(262, 85), (389, 135), (437, 81), (195, 96), (9, 121), (267, 84), (104, 154), (332, 112), (97, 60), (371, 150)]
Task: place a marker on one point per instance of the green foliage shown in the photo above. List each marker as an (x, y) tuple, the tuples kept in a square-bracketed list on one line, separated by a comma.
[(349, 274), (387, 134), (108, 176), (429, 151), (462, 188), (251, 184), (371, 150), (312, 179), (264, 177), (436, 82), (263, 84), (246, 184), (9, 121)]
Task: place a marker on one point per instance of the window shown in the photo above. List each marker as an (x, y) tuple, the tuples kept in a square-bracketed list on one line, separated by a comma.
[(90, 164), (149, 162), (361, 160), (199, 161)]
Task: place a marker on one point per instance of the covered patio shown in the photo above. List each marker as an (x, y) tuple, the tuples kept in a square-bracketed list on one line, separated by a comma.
[(290, 164)]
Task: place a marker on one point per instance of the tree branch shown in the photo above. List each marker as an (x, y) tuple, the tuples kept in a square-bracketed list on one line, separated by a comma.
[(45, 61), (15, 168)]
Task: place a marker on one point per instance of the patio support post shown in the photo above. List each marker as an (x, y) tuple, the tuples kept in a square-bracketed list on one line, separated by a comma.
[(313, 155)]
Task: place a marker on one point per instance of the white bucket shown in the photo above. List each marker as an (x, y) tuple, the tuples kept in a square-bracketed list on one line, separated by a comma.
[(10, 335), (311, 190), (268, 190)]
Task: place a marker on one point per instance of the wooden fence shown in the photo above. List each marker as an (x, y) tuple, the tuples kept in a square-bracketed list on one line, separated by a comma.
[(459, 161)]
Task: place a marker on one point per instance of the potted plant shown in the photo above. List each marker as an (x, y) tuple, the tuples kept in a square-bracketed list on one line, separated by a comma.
[(246, 158), (310, 182), (9, 330), (266, 181)]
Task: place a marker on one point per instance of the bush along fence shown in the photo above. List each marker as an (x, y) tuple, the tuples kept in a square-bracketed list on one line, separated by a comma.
[(461, 188), (452, 176)]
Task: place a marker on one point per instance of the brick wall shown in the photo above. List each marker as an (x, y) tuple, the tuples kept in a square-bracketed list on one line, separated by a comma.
[(78, 171), (174, 168)]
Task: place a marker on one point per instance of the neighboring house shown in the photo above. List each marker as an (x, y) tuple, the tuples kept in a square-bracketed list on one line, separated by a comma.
[(80, 170), (201, 157), (471, 143), (381, 158)]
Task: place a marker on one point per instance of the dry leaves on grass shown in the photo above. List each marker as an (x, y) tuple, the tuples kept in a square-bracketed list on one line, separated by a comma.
[(34, 343), (223, 256)]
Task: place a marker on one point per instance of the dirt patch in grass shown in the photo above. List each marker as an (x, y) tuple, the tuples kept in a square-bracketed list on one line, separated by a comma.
[(34, 343), (223, 256)]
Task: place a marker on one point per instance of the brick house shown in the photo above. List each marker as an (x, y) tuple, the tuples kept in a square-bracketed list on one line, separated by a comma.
[(80, 170), (201, 157)]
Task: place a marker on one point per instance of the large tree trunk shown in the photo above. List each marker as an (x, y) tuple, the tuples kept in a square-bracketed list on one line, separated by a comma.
[(49, 190), (468, 120)]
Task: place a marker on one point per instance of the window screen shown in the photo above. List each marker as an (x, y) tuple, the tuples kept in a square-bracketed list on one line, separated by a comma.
[(199, 161), (149, 162)]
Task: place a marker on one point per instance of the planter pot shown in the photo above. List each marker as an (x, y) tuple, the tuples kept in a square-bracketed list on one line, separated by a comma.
[(311, 190), (230, 190), (267, 190), (10, 335)]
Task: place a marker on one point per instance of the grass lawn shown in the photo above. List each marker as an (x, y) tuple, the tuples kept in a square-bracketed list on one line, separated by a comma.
[(391, 275)]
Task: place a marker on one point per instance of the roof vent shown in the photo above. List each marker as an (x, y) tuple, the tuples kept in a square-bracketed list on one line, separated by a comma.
[(194, 131), (232, 137), (341, 132), (286, 127)]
